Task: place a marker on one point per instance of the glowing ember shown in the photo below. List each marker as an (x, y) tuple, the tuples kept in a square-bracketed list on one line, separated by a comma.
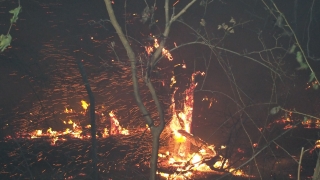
[(149, 49), (156, 44), (173, 81), (167, 54)]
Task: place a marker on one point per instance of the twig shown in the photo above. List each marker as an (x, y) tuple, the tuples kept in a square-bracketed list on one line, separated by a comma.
[(258, 152), (299, 164), (24, 158)]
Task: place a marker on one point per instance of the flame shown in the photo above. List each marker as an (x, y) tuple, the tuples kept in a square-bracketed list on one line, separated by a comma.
[(181, 157), (36, 134), (173, 81), (105, 132), (84, 104), (68, 110), (156, 44), (149, 49), (165, 52), (186, 115), (115, 126), (76, 130)]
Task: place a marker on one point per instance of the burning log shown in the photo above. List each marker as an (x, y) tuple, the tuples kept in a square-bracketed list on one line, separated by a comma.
[(197, 142)]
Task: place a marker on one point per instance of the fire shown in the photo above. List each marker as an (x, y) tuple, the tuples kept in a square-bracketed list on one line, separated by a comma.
[(165, 52), (173, 81), (181, 157), (156, 44), (36, 134), (149, 50), (183, 120), (115, 126), (105, 132), (76, 130), (68, 110), (223, 162), (84, 104)]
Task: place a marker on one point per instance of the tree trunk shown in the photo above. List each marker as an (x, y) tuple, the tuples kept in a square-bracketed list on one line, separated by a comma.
[(154, 153), (155, 130), (93, 119)]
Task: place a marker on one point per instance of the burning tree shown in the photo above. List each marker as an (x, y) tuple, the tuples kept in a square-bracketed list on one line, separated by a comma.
[(156, 130)]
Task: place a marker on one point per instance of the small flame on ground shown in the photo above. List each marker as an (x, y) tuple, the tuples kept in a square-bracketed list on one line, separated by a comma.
[(84, 104), (115, 126), (76, 130)]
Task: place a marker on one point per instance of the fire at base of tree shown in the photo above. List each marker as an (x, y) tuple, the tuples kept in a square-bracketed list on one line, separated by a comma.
[(160, 90)]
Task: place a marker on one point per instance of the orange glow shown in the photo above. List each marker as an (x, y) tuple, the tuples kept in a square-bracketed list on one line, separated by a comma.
[(182, 120), (68, 110), (84, 104), (156, 44), (115, 126), (167, 54), (76, 130), (180, 156), (218, 164), (173, 81), (150, 49)]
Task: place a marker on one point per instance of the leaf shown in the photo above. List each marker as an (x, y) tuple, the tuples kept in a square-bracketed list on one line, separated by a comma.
[(299, 57), (203, 3), (230, 30), (302, 66), (275, 110), (113, 44), (5, 41), (279, 21), (232, 21), (315, 86), (203, 22), (15, 13), (311, 77), (305, 119), (293, 47), (224, 26)]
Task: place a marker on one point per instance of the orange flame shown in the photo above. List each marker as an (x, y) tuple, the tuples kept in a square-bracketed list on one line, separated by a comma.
[(115, 126), (84, 104)]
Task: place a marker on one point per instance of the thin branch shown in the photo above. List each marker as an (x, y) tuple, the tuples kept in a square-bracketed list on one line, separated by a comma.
[(165, 34), (310, 20), (258, 152), (132, 60), (296, 39)]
